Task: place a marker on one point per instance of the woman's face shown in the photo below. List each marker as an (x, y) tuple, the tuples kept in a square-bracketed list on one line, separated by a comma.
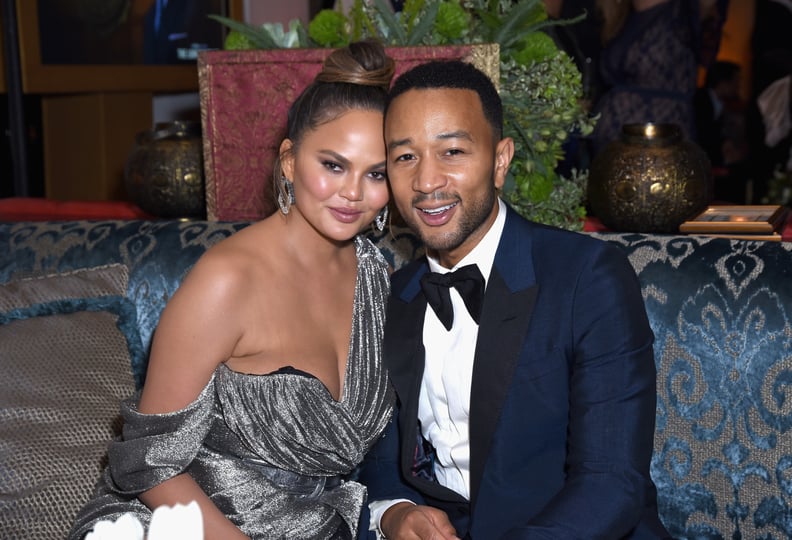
[(338, 172)]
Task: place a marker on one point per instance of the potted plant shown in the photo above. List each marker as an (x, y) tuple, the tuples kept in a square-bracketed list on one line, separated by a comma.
[(540, 85)]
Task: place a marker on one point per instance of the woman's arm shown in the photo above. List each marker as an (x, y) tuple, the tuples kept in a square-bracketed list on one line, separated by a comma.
[(197, 331), (183, 489)]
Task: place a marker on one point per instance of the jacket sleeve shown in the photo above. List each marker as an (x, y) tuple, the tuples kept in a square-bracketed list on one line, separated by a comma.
[(612, 400)]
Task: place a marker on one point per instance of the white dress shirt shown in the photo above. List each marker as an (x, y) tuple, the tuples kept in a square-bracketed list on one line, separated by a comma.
[(444, 401)]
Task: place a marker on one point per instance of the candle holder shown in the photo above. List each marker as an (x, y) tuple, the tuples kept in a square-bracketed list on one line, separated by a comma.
[(164, 171), (651, 180)]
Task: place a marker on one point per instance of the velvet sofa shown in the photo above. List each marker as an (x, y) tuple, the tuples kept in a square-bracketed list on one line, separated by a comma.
[(79, 301)]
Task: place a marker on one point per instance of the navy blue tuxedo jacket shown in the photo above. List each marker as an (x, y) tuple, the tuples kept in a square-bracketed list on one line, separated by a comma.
[(562, 404)]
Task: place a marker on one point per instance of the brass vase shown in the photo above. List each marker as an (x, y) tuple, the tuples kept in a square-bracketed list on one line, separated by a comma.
[(651, 180), (164, 171)]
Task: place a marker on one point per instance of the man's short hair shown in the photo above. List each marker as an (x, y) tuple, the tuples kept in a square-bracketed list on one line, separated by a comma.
[(456, 74)]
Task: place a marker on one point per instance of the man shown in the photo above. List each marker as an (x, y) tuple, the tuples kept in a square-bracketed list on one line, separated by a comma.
[(533, 418)]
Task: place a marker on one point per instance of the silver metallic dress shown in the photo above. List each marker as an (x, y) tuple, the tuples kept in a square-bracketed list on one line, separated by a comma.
[(272, 451)]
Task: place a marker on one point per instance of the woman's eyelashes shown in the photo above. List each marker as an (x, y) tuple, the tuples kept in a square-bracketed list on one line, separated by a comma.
[(332, 166), (379, 174)]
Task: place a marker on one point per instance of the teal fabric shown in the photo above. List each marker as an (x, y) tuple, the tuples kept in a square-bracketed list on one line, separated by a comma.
[(721, 311)]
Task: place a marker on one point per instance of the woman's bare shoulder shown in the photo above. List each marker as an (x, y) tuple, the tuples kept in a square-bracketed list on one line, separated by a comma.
[(232, 260)]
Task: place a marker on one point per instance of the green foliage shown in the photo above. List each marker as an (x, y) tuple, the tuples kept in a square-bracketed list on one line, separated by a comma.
[(779, 188), (267, 36), (237, 41), (258, 37), (329, 29), (535, 47), (452, 22), (540, 85)]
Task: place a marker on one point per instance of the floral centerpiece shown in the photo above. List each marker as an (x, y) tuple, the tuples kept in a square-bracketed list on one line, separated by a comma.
[(539, 83)]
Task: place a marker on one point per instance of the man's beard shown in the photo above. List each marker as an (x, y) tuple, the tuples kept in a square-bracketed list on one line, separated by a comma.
[(474, 214)]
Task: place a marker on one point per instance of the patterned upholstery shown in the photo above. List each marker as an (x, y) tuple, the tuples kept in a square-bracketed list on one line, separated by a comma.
[(721, 311)]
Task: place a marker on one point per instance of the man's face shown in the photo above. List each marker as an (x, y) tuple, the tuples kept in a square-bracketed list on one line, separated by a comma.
[(444, 167)]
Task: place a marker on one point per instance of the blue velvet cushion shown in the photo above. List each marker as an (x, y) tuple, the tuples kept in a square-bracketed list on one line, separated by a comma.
[(721, 311)]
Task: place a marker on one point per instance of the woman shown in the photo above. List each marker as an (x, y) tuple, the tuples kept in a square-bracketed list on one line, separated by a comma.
[(265, 385), (648, 64)]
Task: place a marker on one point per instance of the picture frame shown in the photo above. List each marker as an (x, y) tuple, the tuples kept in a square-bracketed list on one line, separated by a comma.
[(737, 219), (40, 77)]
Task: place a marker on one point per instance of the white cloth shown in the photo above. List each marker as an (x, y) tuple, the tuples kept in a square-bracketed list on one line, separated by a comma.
[(180, 522), (774, 105), (444, 401), (785, 3)]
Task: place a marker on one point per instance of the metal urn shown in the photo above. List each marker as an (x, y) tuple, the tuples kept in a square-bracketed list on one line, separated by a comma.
[(164, 171), (651, 180)]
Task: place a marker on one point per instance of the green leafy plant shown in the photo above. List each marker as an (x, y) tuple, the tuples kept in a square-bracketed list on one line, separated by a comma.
[(539, 83)]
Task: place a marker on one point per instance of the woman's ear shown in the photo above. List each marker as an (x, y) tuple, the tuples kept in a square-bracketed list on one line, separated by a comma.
[(286, 156)]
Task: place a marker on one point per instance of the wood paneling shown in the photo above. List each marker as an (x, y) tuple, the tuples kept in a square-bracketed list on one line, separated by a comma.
[(87, 138)]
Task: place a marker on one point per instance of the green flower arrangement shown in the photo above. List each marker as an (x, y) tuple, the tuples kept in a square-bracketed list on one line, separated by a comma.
[(539, 83)]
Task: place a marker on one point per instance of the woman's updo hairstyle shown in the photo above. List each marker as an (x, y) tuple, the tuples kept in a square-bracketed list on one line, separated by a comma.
[(356, 77)]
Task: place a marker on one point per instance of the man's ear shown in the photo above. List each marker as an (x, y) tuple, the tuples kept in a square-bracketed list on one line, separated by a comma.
[(504, 152), (286, 156)]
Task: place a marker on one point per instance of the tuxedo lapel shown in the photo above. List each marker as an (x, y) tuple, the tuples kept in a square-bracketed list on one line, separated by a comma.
[(508, 304), (404, 352)]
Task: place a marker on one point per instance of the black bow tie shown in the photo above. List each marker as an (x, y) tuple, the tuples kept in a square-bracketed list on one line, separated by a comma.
[(467, 280)]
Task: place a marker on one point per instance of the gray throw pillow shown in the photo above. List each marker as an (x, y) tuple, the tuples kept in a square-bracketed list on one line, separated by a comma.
[(65, 344)]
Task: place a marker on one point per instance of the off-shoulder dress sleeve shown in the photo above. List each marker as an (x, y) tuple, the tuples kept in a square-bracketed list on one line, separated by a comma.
[(156, 447)]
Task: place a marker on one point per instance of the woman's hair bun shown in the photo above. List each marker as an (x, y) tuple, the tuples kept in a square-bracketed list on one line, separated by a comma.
[(361, 62)]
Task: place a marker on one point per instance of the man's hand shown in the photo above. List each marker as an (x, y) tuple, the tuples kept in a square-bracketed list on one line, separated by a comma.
[(406, 521)]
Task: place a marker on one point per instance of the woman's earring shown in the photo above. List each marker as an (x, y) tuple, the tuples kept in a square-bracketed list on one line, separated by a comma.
[(285, 195), (382, 219)]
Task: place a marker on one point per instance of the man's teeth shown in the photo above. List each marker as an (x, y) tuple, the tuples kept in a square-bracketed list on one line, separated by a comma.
[(434, 211)]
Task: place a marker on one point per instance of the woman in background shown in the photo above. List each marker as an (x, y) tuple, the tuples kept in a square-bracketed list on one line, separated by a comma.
[(265, 385), (649, 63)]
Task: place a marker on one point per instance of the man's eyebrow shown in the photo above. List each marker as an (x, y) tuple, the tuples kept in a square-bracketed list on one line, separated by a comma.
[(399, 142), (459, 134)]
